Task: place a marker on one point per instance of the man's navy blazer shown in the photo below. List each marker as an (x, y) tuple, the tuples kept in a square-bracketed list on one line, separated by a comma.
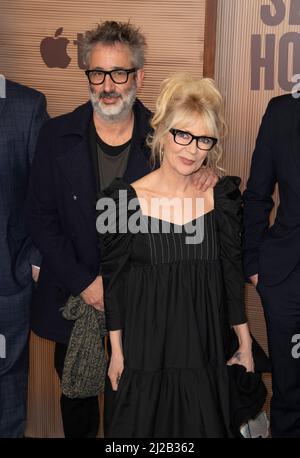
[(274, 251), (22, 113), (61, 211)]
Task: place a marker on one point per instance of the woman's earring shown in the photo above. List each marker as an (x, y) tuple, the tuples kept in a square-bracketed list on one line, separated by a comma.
[(161, 155)]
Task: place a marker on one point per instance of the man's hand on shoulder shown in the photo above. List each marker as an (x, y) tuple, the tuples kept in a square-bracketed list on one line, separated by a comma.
[(205, 178)]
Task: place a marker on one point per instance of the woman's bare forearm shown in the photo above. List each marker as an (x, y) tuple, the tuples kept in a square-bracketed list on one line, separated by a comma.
[(243, 335), (116, 342)]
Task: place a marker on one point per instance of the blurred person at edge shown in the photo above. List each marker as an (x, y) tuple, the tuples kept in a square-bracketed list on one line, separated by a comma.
[(78, 155), (272, 253), (22, 113)]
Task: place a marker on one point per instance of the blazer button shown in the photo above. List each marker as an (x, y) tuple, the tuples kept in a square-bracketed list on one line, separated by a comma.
[(74, 197)]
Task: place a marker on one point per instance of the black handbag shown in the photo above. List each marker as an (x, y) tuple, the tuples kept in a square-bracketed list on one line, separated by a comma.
[(247, 391)]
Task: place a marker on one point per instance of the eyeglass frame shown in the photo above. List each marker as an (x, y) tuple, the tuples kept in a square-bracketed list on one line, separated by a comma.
[(109, 72), (194, 137)]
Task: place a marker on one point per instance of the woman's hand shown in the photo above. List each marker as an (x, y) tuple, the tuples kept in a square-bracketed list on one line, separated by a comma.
[(115, 369), (243, 356)]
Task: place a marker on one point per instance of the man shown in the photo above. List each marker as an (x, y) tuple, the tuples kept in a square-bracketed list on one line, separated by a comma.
[(22, 113), (272, 254), (79, 154)]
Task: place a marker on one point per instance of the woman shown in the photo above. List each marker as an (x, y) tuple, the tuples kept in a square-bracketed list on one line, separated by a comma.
[(172, 284)]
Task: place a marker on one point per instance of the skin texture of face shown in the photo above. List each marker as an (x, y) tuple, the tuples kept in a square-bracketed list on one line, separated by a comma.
[(185, 160), (112, 101)]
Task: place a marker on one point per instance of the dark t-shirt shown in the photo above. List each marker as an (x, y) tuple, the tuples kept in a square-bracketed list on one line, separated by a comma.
[(109, 161)]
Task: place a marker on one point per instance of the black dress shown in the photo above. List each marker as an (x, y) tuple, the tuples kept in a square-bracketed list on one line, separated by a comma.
[(173, 301)]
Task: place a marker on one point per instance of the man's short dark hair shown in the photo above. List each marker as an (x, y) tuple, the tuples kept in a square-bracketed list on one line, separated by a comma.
[(112, 32)]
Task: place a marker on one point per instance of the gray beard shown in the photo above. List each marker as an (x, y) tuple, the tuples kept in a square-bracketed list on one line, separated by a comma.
[(114, 114)]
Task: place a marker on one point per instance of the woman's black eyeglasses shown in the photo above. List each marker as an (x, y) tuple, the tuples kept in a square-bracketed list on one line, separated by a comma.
[(184, 138)]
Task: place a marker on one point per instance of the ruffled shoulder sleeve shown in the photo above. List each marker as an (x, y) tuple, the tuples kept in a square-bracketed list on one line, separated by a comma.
[(228, 210), (114, 244)]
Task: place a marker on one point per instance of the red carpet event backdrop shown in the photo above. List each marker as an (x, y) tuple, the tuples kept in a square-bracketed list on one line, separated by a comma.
[(252, 48)]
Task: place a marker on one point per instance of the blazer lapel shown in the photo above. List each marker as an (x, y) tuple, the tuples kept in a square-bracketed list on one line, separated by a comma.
[(76, 165), (138, 161), (75, 162)]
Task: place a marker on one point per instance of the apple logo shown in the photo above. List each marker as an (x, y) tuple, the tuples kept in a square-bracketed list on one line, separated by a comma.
[(54, 50)]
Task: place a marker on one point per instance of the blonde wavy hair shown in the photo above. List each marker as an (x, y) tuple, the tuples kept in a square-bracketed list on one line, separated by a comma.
[(182, 97)]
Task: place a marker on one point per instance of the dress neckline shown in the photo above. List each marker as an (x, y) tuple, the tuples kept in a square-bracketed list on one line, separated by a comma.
[(165, 221)]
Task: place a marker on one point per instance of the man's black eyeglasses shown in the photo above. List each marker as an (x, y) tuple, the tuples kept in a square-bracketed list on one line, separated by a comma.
[(184, 138), (118, 76)]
